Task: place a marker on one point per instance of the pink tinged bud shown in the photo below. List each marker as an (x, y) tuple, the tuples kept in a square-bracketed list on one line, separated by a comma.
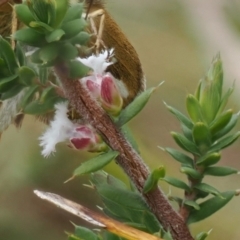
[(81, 143), (85, 138), (93, 87), (110, 95)]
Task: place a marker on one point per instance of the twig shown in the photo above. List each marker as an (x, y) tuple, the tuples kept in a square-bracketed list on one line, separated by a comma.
[(128, 159)]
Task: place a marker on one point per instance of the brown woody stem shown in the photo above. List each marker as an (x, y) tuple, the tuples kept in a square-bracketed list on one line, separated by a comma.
[(128, 158)]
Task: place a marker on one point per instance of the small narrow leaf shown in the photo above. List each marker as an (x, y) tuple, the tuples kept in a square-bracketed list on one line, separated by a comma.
[(55, 35), (225, 142), (201, 136), (17, 88), (26, 75), (194, 108), (227, 128), (73, 27), (153, 178), (20, 54), (73, 12), (77, 69), (176, 183), (207, 188), (95, 163), (184, 143), (191, 172), (209, 159), (28, 96), (221, 122), (180, 157), (23, 13), (220, 171), (203, 235), (192, 204), (85, 233), (180, 116), (135, 107), (8, 55), (30, 37), (210, 206)]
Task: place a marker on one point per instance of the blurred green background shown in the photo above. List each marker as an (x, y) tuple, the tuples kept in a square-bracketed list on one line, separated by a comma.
[(176, 41)]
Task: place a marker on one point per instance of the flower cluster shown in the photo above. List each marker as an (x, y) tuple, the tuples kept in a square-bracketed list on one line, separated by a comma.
[(80, 136), (103, 87), (101, 84)]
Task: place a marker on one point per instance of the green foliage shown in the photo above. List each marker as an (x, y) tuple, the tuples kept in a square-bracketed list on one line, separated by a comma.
[(204, 136), (123, 204)]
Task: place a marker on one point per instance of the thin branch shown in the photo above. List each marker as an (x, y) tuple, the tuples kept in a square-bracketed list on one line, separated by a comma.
[(128, 158)]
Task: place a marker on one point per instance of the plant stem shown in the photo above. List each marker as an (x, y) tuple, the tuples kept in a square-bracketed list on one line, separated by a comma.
[(128, 158)]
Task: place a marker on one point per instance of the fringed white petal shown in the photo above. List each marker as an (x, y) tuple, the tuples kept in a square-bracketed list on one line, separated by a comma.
[(98, 62), (60, 130)]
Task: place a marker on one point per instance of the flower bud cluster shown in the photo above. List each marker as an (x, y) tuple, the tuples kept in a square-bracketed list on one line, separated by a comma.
[(80, 136)]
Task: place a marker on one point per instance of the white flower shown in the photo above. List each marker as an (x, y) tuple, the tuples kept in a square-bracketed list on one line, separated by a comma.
[(98, 62), (60, 130)]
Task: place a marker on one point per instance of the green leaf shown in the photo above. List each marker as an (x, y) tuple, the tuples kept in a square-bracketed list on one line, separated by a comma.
[(127, 206), (225, 142), (209, 159), (82, 38), (180, 157), (110, 236), (227, 128), (191, 172), (47, 93), (43, 74), (8, 83), (8, 55), (220, 171), (203, 235), (209, 207), (184, 143), (85, 233), (40, 26), (224, 100), (77, 69), (181, 117), (176, 183), (49, 52), (61, 10), (20, 54), (211, 90), (95, 163), (17, 88), (29, 95), (26, 75), (38, 108), (201, 136), (30, 37), (55, 35), (208, 189), (192, 204), (23, 13), (127, 133), (68, 51), (194, 108), (153, 178), (73, 28), (187, 132), (101, 177), (220, 122), (135, 107), (73, 12)]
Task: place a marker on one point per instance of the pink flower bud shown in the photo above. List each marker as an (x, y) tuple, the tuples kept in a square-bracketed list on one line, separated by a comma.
[(93, 87), (110, 95), (85, 138)]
